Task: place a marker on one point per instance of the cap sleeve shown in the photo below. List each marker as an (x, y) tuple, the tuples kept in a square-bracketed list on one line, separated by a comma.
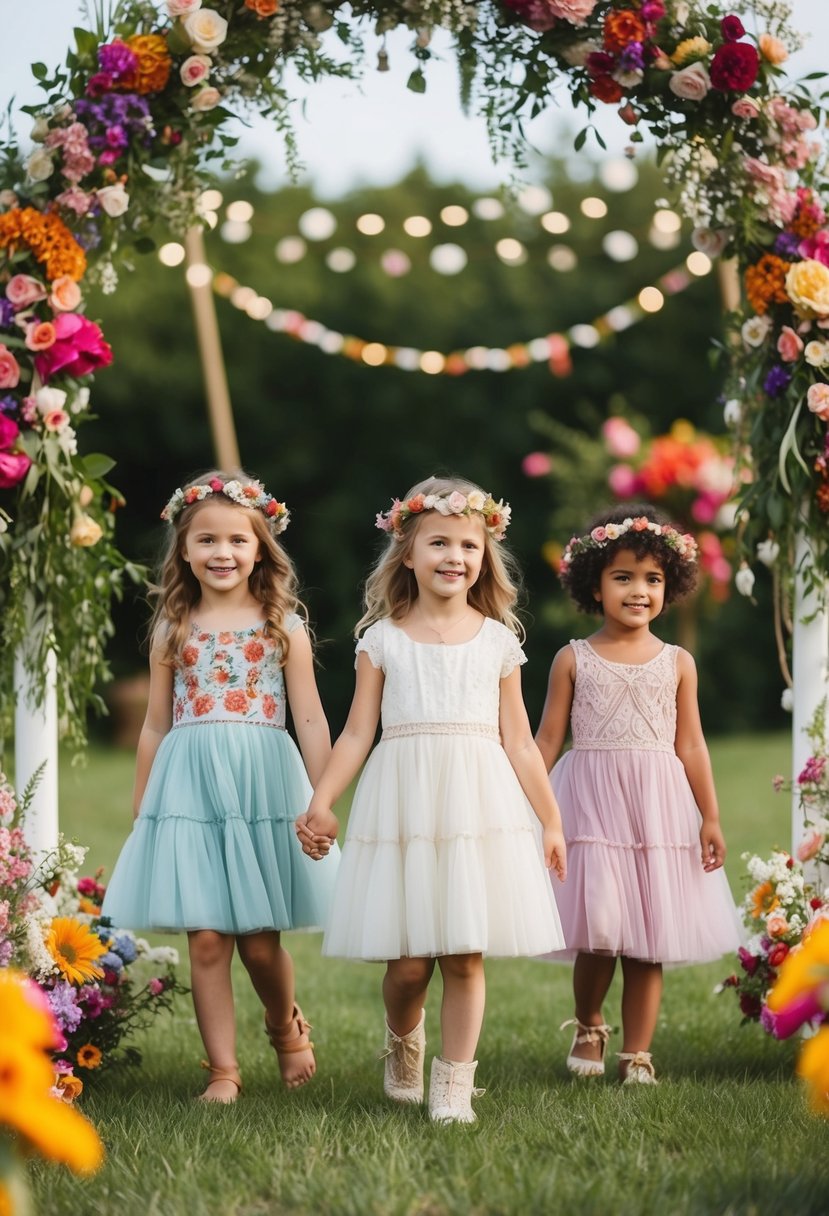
[(293, 621), (513, 656), (372, 644)]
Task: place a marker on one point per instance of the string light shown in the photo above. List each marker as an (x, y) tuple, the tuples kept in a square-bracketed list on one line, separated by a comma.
[(240, 211), (417, 226), (370, 224)]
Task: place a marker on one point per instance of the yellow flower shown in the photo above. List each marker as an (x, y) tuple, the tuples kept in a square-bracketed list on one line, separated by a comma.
[(89, 1056), (813, 1066), (763, 900), (48, 1125), (690, 48), (74, 948), (807, 286)]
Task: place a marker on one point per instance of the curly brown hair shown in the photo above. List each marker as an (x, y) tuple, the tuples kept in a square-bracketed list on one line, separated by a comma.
[(273, 582), (583, 575)]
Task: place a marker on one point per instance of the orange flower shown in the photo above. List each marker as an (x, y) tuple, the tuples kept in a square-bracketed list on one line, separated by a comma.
[(89, 1056), (763, 900), (622, 26), (75, 949), (47, 237), (154, 64), (263, 8), (766, 282)]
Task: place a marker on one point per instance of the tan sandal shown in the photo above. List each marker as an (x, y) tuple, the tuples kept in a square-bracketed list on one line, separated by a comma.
[(640, 1070), (221, 1074), (284, 1042), (580, 1065)]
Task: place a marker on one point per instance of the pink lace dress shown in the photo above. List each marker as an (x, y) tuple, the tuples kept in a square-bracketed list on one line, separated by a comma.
[(635, 883), (443, 851)]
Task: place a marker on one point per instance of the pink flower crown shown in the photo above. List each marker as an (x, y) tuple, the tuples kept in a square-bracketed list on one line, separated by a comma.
[(681, 542), (253, 496), (496, 515)]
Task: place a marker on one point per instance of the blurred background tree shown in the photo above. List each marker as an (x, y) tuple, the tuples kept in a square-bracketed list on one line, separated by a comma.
[(337, 439)]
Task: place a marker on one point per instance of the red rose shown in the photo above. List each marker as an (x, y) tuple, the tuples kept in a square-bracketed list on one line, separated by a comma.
[(777, 953), (749, 1005), (605, 88), (734, 67), (732, 28)]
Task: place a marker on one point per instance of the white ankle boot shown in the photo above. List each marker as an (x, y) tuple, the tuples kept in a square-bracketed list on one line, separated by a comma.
[(451, 1091), (404, 1056)]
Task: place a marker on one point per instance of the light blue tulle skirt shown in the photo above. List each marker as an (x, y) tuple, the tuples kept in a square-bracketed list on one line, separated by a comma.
[(214, 846)]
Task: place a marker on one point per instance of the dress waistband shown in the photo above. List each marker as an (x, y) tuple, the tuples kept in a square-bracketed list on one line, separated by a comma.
[(624, 745), (482, 729), (226, 722)]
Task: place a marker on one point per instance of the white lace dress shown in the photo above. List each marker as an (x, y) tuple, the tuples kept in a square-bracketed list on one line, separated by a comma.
[(443, 852)]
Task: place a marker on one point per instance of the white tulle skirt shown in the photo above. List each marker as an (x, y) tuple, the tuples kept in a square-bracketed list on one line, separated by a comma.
[(442, 856)]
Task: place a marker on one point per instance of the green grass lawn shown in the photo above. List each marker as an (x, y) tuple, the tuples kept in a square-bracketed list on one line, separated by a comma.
[(727, 1130)]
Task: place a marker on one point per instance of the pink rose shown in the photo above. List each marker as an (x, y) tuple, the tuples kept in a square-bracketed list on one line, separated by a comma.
[(40, 335), (9, 368), (79, 348), (65, 295), (180, 8), (206, 99), (536, 464), (23, 290), (599, 535), (691, 83), (9, 430), (817, 400), (574, 11), (456, 502), (156, 986), (745, 107), (620, 438), (13, 468), (810, 845), (194, 70), (622, 481), (789, 344), (56, 420), (541, 15), (776, 924)]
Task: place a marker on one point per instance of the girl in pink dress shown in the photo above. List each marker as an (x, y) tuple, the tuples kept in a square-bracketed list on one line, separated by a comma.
[(645, 850)]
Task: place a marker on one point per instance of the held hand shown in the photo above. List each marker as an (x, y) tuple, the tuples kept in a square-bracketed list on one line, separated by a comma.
[(713, 846), (555, 852), (316, 832)]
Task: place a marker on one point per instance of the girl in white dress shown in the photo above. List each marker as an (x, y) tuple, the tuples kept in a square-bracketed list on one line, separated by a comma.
[(443, 861)]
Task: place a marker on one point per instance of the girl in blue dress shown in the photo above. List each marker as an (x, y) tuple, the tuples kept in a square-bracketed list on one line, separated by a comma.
[(219, 782)]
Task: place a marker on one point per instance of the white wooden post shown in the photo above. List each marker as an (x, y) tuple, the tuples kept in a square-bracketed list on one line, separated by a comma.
[(810, 669), (36, 741)]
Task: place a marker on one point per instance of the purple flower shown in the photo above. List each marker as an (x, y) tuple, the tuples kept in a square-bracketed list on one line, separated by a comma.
[(777, 381), (125, 947), (8, 405), (110, 961), (63, 1004), (749, 962), (6, 313), (787, 245), (92, 1001), (117, 59), (6, 951), (632, 58)]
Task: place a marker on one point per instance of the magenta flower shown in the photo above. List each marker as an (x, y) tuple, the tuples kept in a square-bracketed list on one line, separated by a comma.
[(79, 348)]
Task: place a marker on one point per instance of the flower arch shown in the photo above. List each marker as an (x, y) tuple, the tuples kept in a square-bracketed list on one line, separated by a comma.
[(133, 121)]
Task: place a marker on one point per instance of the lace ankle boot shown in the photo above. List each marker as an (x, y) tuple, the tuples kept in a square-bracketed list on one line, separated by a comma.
[(404, 1056)]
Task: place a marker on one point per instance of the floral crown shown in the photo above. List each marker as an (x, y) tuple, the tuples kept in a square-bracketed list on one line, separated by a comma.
[(253, 496), (681, 542), (496, 515)]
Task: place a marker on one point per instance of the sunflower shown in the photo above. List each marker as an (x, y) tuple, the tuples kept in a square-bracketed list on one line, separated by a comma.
[(89, 1056), (763, 900), (74, 948)]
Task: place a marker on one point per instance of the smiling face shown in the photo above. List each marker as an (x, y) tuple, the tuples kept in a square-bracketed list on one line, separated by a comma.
[(221, 546), (632, 589), (447, 554)]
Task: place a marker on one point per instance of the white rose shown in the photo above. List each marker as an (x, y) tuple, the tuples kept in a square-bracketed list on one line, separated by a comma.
[(113, 199), (195, 69), (206, 99), (80, 401), (691, 83), (768, 552), (476, 500), (755, 330), (206, 30), (787, 700), (40, 130), (442, 507), (576, 54), (180, 8), (744, 580), (39, 166), (48, 399), (732, 412), (816, 354)]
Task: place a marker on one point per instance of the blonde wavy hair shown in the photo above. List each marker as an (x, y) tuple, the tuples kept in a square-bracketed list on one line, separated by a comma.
[(391, 588), (273, 581)]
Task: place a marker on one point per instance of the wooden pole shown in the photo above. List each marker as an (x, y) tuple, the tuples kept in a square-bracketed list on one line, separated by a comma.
[(219, 409)]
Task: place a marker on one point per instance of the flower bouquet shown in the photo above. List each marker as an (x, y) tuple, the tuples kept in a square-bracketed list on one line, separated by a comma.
[(101, 984)]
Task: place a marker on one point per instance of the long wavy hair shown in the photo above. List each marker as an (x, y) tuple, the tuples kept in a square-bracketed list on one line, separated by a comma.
[(391, 588), (273, 581)]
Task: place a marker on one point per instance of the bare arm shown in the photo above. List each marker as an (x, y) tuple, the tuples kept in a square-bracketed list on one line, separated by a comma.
[(157, 723), (555, 719), (347, 755), (693, 752), (528, 765), (309, 718)]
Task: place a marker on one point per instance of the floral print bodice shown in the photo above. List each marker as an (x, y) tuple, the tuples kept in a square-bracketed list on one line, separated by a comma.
[(624, 705), (231, 676)]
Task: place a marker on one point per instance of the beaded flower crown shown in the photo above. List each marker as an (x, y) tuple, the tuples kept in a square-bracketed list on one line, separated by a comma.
[(496, 515), (681, 542), (253, 496)]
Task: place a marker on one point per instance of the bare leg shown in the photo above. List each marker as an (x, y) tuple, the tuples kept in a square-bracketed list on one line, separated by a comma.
[(210, 957), (592, 976), (462, 1010), (404, 991), (271, 970), (641, 998)]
